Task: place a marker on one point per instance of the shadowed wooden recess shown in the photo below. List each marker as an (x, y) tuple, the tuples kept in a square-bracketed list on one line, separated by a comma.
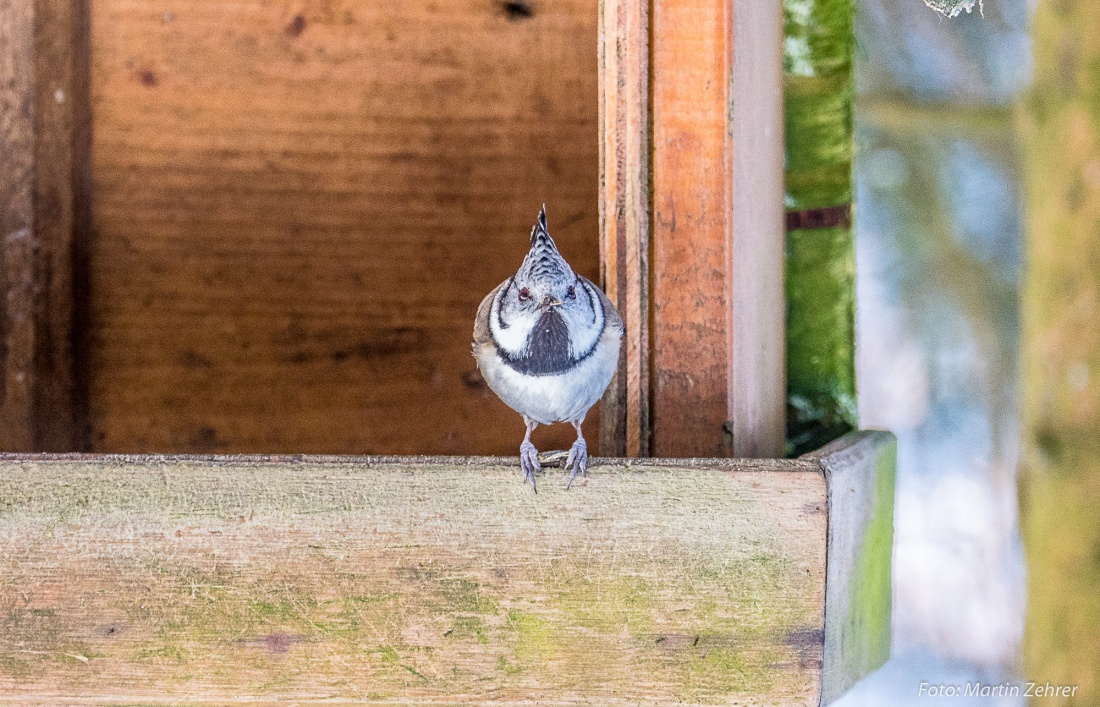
[(298, 209), (434, 580)]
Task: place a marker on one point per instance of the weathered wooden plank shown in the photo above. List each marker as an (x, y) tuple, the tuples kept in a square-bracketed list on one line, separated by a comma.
[(433, 581), (260, 168), (859, 468), (757, 367), (625, 141), (692, 226), (42, 189)]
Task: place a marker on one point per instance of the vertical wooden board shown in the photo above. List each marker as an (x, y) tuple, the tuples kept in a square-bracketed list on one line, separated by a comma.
[(61, 194), (859, 470), (41, 188), (159, 580), (299, 206), (625, 143), (692, 226), (757, 375), (16, 224)]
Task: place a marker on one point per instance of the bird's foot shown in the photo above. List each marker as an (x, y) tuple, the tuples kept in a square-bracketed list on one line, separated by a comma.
[(578, 459), (529, 462)]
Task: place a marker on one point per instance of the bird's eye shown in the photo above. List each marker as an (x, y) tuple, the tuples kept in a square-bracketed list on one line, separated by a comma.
[(571, 293), (524, 295)]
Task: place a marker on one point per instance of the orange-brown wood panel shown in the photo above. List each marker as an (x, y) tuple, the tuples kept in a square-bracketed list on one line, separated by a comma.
[(692, 226), (299, 205)]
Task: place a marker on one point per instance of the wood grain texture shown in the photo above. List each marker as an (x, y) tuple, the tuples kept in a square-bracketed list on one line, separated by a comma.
[(625, 143), (860, 469), (16, 223), (300, 205), (42, 189), (159, 580), (692, 226), (693, 236), (757, 375)]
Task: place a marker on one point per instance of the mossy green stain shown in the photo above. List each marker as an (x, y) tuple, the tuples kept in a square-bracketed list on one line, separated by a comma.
[(866, 631), (608, 604), (469, 628), (537, 638)]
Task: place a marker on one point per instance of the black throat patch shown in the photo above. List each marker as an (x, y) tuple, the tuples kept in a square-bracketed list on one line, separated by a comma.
[(548, 349)]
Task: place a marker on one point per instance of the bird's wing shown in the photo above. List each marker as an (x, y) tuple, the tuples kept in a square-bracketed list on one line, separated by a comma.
[(482, 335), (610, 314)]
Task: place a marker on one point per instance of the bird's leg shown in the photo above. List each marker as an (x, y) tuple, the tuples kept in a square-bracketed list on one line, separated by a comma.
[(529, 456), (578, 456)]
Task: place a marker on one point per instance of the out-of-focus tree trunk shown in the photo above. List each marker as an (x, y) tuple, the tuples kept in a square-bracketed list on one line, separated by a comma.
[(1060, 484)]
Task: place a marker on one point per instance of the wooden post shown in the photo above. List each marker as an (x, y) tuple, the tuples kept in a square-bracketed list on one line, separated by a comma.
[(43, 141), (711, 288)]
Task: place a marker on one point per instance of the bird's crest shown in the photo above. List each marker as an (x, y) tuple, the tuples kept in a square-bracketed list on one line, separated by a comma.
[(543, 261), (539, 230)]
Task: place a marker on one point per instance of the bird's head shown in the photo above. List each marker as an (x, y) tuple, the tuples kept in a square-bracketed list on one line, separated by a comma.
[(546, 305)]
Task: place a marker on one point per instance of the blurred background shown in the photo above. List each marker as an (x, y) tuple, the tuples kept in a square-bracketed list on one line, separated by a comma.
[(939, 244)]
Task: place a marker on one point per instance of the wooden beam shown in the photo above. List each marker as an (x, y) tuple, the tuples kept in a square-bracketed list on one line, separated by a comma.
[(430, 580), (625, 216), (16, 222), (425, 581), (43, 138)]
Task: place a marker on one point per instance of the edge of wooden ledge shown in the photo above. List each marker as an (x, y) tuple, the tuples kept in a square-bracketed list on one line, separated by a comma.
[(765, 465), (859, 471)]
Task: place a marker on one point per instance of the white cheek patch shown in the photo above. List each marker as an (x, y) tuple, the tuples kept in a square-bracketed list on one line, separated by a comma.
[(512, 338), (586, 322)]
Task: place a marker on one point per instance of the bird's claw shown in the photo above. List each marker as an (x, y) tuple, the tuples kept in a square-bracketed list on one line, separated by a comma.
[(529, 462), (578, 459)]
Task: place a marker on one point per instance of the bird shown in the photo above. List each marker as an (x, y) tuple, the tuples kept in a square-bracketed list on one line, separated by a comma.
[(546, 341)]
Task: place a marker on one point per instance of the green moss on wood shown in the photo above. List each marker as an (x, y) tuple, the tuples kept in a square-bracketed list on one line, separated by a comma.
[(867, 629), (398, 584)]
